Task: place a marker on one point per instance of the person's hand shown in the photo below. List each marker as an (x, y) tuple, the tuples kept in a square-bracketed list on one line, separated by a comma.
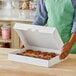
[(65, 50), (22, 46)]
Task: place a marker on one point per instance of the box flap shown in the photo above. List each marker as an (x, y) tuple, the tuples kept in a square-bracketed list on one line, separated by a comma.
[(39, 36)]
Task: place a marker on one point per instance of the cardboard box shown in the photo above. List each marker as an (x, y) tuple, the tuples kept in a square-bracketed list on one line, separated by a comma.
[(45, 39)]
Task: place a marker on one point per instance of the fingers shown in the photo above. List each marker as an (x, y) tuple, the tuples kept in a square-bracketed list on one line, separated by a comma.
[(22, 46), (65, 51), (63, 55)]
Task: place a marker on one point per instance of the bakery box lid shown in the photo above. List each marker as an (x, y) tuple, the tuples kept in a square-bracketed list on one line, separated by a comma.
[(39, 36)]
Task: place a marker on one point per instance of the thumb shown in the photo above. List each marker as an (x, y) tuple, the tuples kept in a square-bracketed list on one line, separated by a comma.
[(22, 46)]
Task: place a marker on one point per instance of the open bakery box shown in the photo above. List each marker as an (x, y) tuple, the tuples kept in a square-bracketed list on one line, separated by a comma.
[(42, 38)]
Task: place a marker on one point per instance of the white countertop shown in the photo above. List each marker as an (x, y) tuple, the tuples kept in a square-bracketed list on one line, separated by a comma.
[(18, 15)]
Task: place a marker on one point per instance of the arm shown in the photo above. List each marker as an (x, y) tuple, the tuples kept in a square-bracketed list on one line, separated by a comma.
[(67, 46), (73, 36), (73, 39), (40, 14)]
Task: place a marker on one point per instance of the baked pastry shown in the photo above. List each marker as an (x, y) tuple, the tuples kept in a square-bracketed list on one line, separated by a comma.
[(29, 53), (52, 54), (38, 54), (47, 57)]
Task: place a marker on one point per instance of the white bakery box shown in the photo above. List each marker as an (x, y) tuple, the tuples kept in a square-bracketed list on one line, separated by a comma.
[(45, 39)]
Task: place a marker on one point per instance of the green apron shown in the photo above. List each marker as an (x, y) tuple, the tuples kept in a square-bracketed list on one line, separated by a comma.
[(60, 15)]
